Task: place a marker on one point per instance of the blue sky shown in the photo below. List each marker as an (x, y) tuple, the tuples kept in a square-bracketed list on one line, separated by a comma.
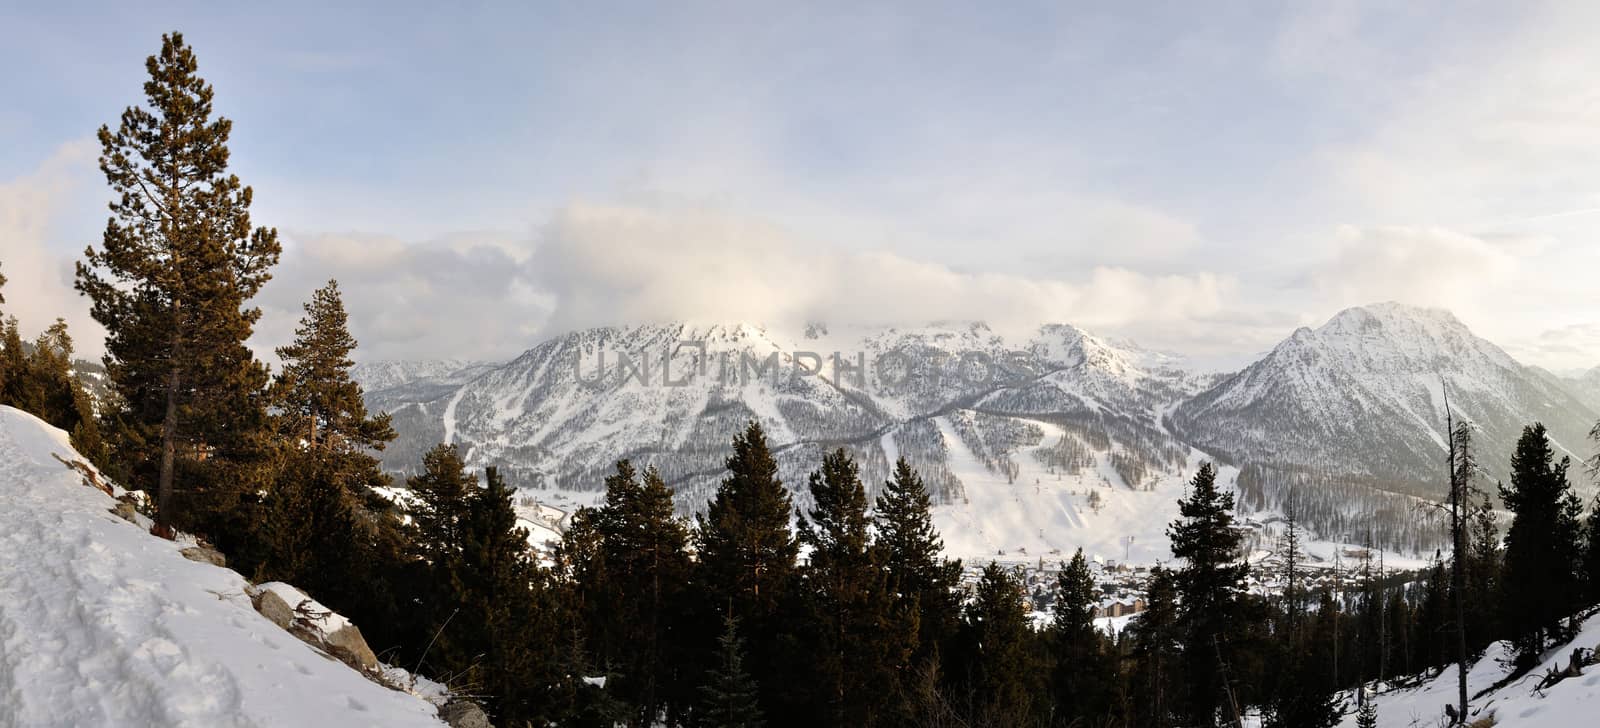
[(1201, 180)]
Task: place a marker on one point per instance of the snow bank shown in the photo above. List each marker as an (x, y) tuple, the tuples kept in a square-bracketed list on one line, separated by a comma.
[(102, 624), (1571, 703)]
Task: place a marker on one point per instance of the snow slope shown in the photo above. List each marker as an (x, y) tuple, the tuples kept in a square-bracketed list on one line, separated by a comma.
[(102, 624), (1571, 703)]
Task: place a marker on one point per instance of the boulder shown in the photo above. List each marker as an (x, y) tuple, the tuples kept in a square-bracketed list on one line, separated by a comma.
[(125, 511), (273, 607), (205, 555), (460, 713), (347, 644)]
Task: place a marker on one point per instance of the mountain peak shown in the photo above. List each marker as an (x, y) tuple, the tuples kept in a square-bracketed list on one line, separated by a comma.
[(1390, 313)]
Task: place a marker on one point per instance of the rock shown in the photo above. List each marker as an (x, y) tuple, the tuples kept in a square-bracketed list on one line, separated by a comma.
[(273, 607), (347, 644), (205, 555), (460, 713), (125, 511)]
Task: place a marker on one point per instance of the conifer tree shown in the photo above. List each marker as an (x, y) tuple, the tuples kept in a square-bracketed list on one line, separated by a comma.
[(728, 698), (744, 539), (747, 564), (178, 264), (13, 364), (318, 402), (1542, 544), (1157, 643), (860, 642), (40, 381), (926, 583), (1000, 667), (498, 640), (1082, 670), (1210, 584), (636, 613), (1483, 576), (439, 512), (318, 501), (1591, 552), (1367, 715)]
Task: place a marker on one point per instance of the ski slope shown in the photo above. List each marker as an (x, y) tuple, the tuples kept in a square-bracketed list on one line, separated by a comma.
[(102, 624), (1045, 515)]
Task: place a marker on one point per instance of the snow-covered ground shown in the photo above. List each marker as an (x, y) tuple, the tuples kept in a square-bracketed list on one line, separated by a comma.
[(102, 624), (1039, 514), (1571, 703)]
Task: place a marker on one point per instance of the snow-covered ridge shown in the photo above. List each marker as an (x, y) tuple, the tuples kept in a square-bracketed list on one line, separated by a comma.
[(1348, 407), (102, 624)]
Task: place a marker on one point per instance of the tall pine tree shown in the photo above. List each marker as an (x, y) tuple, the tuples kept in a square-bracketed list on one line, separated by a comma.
[(747, 565), (1542, 544), (636, 614), (1082, 670), (925, 582), (1210, 584), (1000, 683), (859, 642), (178, 264)]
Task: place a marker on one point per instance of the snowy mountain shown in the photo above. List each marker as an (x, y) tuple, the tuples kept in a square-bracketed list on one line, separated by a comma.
[(1012, 434), (1586, 386), (103, 624), (959, 401), (1364, 397)]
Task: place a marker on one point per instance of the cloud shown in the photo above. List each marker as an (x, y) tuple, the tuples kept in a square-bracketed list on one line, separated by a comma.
[(468, 295), (1420, 265), (1567, 349), (39, 280), (606, 265)]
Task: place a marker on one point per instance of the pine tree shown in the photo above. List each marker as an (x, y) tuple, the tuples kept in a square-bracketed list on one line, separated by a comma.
[(728, 699), (1000, 668), (178, 265), (439, 511), (1591, 552), (1483, 576), (1210, 584), (1082, 670), (636, 613), (859, 641), (317, 400), (747, 564), (496, 633), (318, 502), (1542, 548), (1367, 715), (1157, 643), (924, 580)]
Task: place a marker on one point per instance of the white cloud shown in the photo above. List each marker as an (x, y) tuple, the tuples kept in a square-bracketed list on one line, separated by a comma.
[(39, 281), (1420, 265), (615, 265), (465, 296)]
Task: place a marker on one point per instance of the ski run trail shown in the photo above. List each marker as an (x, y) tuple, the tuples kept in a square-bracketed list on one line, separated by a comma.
[(102, 624)]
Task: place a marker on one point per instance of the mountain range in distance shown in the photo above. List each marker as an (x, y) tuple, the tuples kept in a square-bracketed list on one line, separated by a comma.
[(1031, 447)]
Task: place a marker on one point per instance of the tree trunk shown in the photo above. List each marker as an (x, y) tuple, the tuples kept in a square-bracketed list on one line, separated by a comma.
[(169, 447)]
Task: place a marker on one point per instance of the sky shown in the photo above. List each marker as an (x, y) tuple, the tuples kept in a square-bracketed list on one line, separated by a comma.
[(1199, 178)]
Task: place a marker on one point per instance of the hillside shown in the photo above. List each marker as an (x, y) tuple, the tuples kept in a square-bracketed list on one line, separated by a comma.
[(1521, 703), (102, 624)]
